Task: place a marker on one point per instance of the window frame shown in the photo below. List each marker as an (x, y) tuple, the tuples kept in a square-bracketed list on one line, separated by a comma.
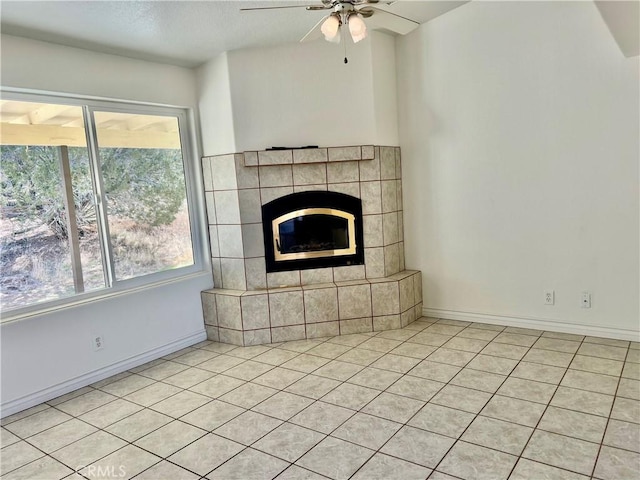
[(193, 190)]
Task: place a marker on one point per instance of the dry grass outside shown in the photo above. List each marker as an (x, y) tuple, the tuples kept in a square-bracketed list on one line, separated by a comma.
[(35, 265)]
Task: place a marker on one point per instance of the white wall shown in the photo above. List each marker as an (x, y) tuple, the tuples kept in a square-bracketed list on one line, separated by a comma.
[(519, 127), (301, 94), (43, 356), (385, 99), (214, 101)]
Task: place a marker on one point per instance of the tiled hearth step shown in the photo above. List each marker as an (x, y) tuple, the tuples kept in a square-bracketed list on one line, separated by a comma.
[(252, 317)]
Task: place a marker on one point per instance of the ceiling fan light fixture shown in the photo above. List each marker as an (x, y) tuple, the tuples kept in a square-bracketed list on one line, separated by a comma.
[(357, 27), (331, 28)]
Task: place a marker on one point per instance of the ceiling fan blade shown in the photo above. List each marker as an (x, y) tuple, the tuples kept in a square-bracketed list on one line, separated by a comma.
[(314, 33), (312, 7), (385, 20)]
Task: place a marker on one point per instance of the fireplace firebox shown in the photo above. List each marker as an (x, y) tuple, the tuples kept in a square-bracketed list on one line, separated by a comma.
[(312, 230)]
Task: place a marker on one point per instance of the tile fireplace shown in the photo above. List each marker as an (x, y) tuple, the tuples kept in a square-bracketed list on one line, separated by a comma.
[(306, 243)]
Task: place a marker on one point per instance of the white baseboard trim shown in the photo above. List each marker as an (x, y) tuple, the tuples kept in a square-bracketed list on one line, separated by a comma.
[(534, 323), (36, 398)]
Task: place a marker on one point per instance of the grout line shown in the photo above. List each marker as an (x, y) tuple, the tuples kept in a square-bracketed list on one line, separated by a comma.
[(341, 382)]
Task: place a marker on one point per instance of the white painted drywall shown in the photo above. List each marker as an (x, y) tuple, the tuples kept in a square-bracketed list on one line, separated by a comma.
[(385, 102), (300, 94), (48, 350), (519, 130), (214, 101)]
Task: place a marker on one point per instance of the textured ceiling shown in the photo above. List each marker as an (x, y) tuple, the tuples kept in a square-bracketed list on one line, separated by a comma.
[(185, 33)]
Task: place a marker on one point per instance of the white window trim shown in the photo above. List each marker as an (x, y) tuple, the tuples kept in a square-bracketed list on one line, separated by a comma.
[(194, 194)]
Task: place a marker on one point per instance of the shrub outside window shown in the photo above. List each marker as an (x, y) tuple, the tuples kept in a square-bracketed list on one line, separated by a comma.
[(94, 198)]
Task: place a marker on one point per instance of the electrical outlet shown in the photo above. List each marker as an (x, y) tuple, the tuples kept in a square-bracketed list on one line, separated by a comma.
[(97, 342), (549, 297), (585, 300)]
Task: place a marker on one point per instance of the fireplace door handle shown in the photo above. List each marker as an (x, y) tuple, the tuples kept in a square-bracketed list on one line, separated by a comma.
[(278, 245)]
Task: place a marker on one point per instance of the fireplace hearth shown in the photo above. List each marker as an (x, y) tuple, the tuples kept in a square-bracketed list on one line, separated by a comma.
[(306, 243)]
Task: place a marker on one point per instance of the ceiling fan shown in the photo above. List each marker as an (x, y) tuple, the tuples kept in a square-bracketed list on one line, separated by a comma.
[(351, 13)]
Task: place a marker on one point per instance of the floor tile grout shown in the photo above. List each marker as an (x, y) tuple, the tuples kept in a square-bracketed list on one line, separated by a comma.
[(393, 340)]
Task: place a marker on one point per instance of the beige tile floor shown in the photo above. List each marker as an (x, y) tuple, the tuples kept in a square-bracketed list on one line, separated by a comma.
[(437, 399)]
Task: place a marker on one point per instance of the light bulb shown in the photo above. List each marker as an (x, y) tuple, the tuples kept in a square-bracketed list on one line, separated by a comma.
[(357, 27), (331, 29)]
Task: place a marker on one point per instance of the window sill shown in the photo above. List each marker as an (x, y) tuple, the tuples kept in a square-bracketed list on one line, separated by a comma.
[(94, 297)]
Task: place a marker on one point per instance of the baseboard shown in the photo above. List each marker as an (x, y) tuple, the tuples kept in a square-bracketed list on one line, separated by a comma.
[(535, 323), (36, 398)]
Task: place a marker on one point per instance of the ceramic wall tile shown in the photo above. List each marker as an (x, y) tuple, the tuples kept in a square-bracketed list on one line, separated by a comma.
[(257, 337), (417, 287), (255, 312), (316, 275), (206, 174), (275, 157), (390, 228), (354, 301), (401, 258), (230, 239), (386, 322), (223, 172), (369, 170), (252, 240), (372, 230), (310, 188), (283, 279), (214, 244), (250, 159), (338, 154), (255, 271), (234, 337), (321, 305), (351, 272), (245, 177), (249, 205), (368, 152), (391, 260), (389, 196), (374, 262), (321, 330), (343, 172), (229, 313), (387, 163), (386, 298), (286, 308), (288, 334), (209, 308), (310, 155), (227, 207), (213, 333), (310, 174), (406, 294), (356, 325), (268, 194), (352, 188), (276, 176), (216, 268), (211, 208), (233, 275), (371, 195)]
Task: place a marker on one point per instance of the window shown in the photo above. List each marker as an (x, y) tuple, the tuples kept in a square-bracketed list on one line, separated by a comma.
[(94, 197)]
